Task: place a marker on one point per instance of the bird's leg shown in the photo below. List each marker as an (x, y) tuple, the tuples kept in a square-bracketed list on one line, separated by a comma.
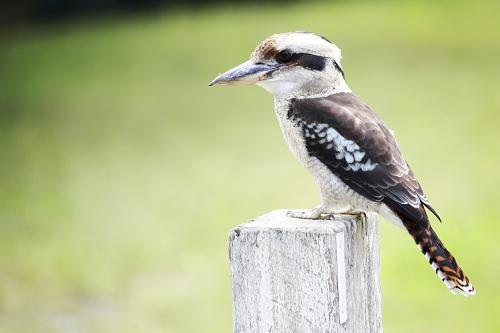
[(355, 213), (312, 214), (317, 212)]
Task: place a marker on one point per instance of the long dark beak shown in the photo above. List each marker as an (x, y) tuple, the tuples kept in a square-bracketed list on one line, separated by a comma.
[(244, 74)]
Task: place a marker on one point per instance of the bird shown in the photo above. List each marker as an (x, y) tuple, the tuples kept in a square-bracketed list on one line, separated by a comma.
[(350, 152)]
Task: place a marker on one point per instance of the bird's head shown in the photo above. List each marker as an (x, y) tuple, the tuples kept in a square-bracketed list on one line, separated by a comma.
[(292, 62)]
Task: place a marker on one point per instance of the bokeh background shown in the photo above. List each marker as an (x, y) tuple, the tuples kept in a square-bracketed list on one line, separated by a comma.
[(122, 172)]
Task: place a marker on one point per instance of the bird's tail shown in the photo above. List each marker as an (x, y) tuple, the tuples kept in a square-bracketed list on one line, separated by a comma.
[(441, 260)]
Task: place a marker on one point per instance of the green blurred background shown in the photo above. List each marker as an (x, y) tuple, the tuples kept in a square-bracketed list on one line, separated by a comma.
[(122, 171)]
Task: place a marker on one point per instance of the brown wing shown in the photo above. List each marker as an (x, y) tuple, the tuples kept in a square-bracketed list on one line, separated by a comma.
[(354, 143)]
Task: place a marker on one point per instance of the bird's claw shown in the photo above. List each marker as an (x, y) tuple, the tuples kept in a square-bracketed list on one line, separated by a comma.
[(310, 214)]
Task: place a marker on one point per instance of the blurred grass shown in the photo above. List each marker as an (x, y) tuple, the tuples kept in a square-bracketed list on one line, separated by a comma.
[(122, 171)]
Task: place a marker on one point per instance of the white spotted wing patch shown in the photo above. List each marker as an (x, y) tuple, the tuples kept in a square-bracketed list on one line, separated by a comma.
[(343, 149)]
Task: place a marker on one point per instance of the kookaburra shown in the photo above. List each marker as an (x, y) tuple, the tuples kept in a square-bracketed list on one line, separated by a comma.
[(351, 154)]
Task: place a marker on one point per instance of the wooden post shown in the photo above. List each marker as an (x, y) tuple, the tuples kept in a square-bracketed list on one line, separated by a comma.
[(306, 276)]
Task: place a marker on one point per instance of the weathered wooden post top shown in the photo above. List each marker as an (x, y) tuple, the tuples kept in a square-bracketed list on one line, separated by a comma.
[(299, 276)]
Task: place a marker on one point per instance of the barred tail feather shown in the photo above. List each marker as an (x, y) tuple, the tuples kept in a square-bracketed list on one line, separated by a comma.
[(442, 262)]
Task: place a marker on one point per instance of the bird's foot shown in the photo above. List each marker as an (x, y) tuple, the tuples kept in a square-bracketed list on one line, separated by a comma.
[(311, 214), (356, 213), (324, 213)]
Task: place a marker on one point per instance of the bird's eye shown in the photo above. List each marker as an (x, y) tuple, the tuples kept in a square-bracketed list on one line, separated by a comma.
[(284, 57)]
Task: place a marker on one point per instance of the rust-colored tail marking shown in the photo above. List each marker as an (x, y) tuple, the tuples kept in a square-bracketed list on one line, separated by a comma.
[(441, 260)]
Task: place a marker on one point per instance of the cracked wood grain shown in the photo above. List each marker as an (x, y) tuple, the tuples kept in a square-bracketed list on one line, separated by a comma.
[(301, 276)]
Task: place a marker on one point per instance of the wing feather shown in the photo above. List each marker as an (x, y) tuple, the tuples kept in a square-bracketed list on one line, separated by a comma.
[(355, 144)]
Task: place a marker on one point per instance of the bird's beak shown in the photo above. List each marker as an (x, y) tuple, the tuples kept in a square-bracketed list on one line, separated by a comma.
[(244, 74)]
